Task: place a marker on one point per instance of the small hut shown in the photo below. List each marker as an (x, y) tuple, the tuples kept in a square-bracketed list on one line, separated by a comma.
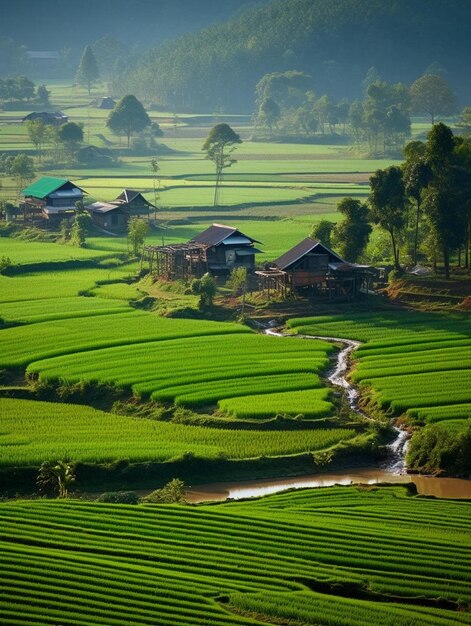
[(310, 267), (105, 103), (53, 118), (114, 215)]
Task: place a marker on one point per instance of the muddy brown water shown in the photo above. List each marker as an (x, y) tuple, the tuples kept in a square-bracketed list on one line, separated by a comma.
[(454, 488)]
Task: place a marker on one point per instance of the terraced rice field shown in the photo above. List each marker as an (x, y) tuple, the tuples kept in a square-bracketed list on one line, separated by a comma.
[(316, 557), (32, 432), (53, 285), (30, 252), (413, 363), (42, 310), (173, 360)]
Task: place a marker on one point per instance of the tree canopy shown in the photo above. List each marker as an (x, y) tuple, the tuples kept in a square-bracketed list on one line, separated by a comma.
[(388, 204), (432, 96), (128, 117), (219, 145), (87, 72)]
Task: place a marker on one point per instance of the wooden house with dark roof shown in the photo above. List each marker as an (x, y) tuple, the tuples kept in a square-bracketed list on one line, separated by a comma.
[(53, 118), (114, 215), (227, 248), (219, 249), (50, 198), (312, 267)]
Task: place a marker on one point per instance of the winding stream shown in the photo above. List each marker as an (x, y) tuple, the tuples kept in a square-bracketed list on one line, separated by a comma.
[(393, 470), (395, 462)]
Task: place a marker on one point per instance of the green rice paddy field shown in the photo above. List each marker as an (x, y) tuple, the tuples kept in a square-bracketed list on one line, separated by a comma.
[(330, 556), (413, 363)]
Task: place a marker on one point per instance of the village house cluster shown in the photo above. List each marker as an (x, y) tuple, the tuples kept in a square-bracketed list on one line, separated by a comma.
[(309, 267)]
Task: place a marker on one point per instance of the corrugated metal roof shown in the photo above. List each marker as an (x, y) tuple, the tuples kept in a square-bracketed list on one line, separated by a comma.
[(217, 233), (248, 251), (45, 186), (101, 207), (235, 240), (304, 247)]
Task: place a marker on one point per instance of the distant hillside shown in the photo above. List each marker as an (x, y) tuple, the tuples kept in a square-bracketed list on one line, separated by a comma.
[(335, 41), (58, 24)]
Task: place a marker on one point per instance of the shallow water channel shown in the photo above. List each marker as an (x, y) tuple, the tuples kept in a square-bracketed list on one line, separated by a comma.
[(393, 469)]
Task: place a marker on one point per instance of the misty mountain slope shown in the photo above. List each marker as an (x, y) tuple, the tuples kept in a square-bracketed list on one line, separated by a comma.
[(335, 41), (58, 24)]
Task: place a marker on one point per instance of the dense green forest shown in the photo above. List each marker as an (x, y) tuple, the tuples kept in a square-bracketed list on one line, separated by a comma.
[(334, 42)]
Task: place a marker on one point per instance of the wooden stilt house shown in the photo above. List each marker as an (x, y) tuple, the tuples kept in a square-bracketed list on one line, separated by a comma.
[(50, 198), (312, 268), (218, 249)]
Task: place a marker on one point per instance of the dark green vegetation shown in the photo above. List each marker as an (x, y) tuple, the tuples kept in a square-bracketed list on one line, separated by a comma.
[(320, 557), (333, 42), (416, 366)]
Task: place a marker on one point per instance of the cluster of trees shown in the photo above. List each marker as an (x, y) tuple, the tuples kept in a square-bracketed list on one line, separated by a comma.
[(424, 206), (20, 167), (429, 197), (381, 121), (287, 103), (20, 88), (13, 58), (435, 449), (350, 236), (63, 141)]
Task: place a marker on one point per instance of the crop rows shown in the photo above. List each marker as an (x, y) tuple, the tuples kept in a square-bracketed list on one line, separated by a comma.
[(200, 370), (414, 362), (22, 345), (52, 285), (33, 432), (73, 562), (440, 413), (60, 308), (311, 403)]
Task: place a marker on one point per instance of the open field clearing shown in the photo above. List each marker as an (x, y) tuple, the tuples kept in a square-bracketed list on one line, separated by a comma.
[(412, 362), (33, 432), (278, 558)]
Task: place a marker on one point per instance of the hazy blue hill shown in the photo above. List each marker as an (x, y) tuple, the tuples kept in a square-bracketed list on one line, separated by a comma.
[(58, 24), (335, 41)]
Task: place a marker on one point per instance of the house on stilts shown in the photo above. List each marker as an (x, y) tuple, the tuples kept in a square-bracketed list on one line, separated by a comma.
[(219, 249), (311, 268), (51, 199)]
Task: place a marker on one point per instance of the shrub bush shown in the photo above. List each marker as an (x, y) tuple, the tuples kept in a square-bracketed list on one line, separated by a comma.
[(119, 497)]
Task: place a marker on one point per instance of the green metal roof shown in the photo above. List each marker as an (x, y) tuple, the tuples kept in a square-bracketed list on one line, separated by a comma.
[(44, 186)]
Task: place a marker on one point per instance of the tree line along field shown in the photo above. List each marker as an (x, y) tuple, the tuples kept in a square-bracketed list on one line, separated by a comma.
[(413, 363), (320, 557)]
